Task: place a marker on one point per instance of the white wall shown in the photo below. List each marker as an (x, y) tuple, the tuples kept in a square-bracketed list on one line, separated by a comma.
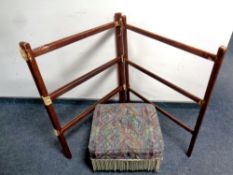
[(204, 24)]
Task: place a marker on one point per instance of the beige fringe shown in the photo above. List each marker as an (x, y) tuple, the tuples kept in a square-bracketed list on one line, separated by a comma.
[(125, 164)]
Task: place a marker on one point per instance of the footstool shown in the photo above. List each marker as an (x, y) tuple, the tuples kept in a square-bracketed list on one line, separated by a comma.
[(125, 137)]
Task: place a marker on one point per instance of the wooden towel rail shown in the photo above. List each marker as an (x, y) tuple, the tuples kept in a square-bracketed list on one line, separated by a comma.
[(121, 26)]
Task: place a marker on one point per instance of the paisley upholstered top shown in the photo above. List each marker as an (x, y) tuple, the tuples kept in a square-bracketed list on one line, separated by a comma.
[(125, 131)]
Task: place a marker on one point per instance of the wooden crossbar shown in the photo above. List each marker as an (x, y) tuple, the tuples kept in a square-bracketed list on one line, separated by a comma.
[(171, 85), (120, 26), (71, 39), (165, 113), (82, 79), (90, 109), (173, 43)]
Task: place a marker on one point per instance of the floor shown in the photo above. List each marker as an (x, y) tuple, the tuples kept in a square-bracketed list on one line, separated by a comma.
[(28, 146)]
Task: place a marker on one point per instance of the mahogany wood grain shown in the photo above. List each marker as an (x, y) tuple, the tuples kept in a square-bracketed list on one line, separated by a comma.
[(178, 89), (78, 118), (210, 86), (173, 43), (119, 54), (165, 113), (34, 69), (70, 39), (83, 78), (125, 56)]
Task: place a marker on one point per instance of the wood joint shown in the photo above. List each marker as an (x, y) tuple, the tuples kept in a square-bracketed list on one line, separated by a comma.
[(47, 100), (25, 56)]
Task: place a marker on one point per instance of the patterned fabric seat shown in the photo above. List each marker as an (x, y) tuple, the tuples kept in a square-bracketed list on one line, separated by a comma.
[(125, 136)]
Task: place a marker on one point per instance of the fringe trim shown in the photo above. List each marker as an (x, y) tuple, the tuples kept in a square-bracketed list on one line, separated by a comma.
[(125, 164)]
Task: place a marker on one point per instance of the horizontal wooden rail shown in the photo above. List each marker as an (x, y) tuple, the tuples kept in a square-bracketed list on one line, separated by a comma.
[(82, 79), (70, 39), (90, 109), (173, 43), (165, 113), (178, 89)]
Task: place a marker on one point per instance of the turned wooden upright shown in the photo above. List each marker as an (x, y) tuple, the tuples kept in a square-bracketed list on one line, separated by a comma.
[(121, 26)]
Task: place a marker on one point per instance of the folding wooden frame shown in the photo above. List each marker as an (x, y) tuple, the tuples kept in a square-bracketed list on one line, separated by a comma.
[(123, 87)]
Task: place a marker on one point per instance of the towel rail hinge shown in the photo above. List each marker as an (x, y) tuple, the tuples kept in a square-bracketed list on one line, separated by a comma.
[(56, 132), (124, 87), (25, 56), (201, 102), (47, 100), (119, 23)]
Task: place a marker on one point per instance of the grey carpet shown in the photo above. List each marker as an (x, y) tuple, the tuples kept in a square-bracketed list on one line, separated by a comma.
[(28, 146)]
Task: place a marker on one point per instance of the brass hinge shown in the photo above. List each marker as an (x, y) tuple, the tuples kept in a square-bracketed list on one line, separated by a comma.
[(25, 56), (122, 59), (56, 132), (201, 102), (47, 100), (116, 23), (120, 22), (124, 87)]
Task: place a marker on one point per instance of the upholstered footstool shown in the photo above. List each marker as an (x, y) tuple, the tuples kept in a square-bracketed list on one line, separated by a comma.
[(125, 137)]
